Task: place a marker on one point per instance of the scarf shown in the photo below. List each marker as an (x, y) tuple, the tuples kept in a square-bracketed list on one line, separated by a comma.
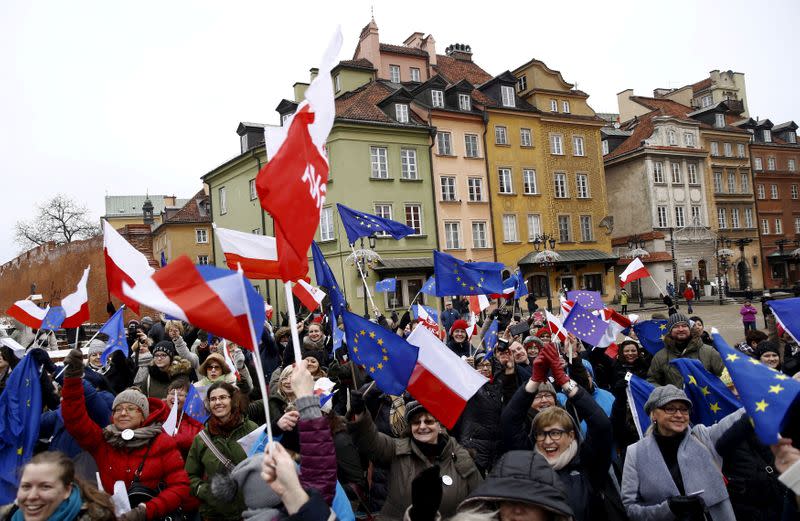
[(66, 511), (430, 450), (141, 436), (564, 458), (219, 428)]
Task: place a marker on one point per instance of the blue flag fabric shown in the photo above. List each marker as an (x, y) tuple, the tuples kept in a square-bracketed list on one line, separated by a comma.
[(588, 299), (194, 405), (584, 325), (20, 415), (457, 277), (386, 357), (490, 339), (517, 283), (429, 310), (163, 259), (767, 394), (53, 318), (638, 392), (711, 399), (651, 334), (386, 285), (115, 329), (361, 224), (787, 312), (326, 279), (429, 288), (338, 334)]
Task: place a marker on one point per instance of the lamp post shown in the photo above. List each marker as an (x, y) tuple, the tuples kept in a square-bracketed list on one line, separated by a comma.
[(636, 249), (546, 257), (362, 258), (724, 253), (741, 243), (780, 243)]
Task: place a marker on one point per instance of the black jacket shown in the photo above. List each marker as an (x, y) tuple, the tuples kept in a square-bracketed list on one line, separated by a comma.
[(478, 428)]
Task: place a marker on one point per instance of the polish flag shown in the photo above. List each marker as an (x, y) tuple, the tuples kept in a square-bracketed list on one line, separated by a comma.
[(124, 263), (441, 381), (257, 254), (472, 329), (310, 296), (427, 321), (27, 312), (617, 323), (76, 305), (478, 303), (566, 307), (556, 326), (229, 361), (268, 309), (634, 271)]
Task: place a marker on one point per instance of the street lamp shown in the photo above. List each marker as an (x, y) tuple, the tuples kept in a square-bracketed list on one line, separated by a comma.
[(724, 253), (636, 249), (362, 258), (780, 243), (547, 258), (741, 243)]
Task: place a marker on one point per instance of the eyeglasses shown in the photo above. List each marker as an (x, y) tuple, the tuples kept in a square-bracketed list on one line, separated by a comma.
[(160, 355), (671, 409), (128, 409), (417, 423), (223, 398), (553, 434), (215, 366)]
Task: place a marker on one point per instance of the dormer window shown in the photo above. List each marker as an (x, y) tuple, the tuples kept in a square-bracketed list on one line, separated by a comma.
[(672, 138), (553, 105), (522, 83), (437, 98), (464, 102), (284, 118), (565, 107), (767, 135), (337, 82), (507, 96), (719, 120), (414, 74), (791, 137), (706, 101), (401, 112)]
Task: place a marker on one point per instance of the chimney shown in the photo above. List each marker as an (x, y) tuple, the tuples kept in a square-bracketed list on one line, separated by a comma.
[(459, 51), (429, 46), (147, 212), (660, 93), (415, 40), (313, 72), (369, 45)]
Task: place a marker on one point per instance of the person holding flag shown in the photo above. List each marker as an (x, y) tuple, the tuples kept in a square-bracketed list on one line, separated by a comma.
[(680, 343)]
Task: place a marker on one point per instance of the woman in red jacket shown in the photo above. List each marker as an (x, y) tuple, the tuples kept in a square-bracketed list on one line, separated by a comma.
[(133, 447)]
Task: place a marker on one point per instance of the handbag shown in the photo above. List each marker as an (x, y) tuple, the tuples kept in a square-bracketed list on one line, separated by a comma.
[(138, 493)]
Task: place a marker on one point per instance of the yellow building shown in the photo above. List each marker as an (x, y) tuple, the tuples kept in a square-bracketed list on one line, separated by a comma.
[(185, 231), (134, 209)]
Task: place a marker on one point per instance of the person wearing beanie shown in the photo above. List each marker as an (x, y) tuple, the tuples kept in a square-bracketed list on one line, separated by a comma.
[(699, 330), (768, 353), (457, 339), (532, 345), (449, 315), (631, 358), (96, 348), (166, 366), (673, 472), (680, 343)]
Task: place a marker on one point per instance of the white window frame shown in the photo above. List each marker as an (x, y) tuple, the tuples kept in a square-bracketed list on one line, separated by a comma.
[(337, 82), (735, 218), (564, 232), (697, 214), (797, 225), (578, 148), (525, 137), (658, 172), (379, 162), (677, 178), (604, 145), (744, 181), (748, 217), (582, 186), (662, 216), (680, 217), (510, 233), (719, 120), (480, 235), (500, 135), (773, 192), (778, 226), (764, 226), (251, 185), (794, 192), (383, 210), (326, 224), (447, 188), (717, 182), (505, 181), (522, 83), (414, 72), (401, 112), (507, 96), (560, 185), (722, 218), (475, 189), (727, 149), (529, 184), (587, 233), (714, 148), (740, 150), (731, 182), (706, 101), (534, 226), (201, 236), (760, 192), (565, 107), (394, 73), (202, 260), (758, 164), (767, 135), (791, 165), (792, 138), (553, 105), (408, 164), (691, 173), (437, 98), (464, 102), (223, 200), (452, 235), (557, 144), (771, 163), (672, 138), (419, 217), (444, 143), (689, 138), (471, 149)]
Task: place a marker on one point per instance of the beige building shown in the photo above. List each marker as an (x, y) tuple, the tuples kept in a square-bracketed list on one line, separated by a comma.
[(185, 231), (133, 209)]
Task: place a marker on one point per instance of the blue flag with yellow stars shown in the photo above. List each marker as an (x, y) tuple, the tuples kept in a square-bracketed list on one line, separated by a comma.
[(457, 277), (386, 285), (194, 405), (638, 392), (429, 310), (588, 299), (326, 279), (20, 415), (115, 329), (53, 318), (787, 312), (386, 357), (651, 334), (767, 394), (361, 224), (517, 283), (429, 288), (711, 399), (490, 339), (584, 325)]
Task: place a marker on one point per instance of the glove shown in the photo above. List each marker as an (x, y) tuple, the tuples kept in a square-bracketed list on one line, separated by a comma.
[(238, 358), (74, 364), (137, 514), (556, 366), (42, 359), (690, 507), (357, 405), (426, 495), (540, 365)]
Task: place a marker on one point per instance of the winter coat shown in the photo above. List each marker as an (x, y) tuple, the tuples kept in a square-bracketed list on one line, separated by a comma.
[(406, 461), (163, 463), (317, 452), (478, 428), (448, 317), (202, 465), (748, 314), (155, 381), (662, 372), (623, 298), (459, 348), (688, 293), (187, 430), (647, 482), (624, 428), (90, 511)]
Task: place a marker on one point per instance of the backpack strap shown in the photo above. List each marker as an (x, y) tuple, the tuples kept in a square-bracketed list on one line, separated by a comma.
[(213, 448)]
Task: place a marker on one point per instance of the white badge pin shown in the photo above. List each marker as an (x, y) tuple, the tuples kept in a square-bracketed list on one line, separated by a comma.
[(447, 480), (127, 435)]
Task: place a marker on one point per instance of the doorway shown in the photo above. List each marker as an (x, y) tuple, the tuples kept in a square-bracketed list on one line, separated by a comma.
[(567, 282)]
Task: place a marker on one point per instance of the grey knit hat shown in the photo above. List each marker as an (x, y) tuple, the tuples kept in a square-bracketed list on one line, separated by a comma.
[(133, 397), (675, 319), (546, 387), (663, 395), (96, 346), (147, 320)]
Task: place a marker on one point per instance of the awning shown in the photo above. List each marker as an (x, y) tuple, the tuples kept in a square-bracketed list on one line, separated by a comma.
[(417, 265), (569, 257)]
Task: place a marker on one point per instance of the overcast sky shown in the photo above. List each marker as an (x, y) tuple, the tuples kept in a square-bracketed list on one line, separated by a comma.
[(116, 98)]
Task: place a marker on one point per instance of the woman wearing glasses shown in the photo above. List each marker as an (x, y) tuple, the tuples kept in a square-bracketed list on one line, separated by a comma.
[(674, 471)]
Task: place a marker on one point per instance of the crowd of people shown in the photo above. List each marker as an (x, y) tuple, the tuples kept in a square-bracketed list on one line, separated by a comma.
[(549, 436)]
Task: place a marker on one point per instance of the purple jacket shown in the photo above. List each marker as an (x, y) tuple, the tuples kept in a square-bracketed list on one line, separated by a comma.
[(317, 452), (748, 313)]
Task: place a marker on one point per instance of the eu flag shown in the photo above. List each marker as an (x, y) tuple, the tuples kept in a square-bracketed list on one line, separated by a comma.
[(767, 395), (326, 279), (386, 357), (638, 392), (386, 285), (588, 299), (429, 310), (517, 283), (429, 288), (361, 224), (53, 318), (584, 325), (115, 329), (651, 334), (194, 405), (20, 414), (787, 313), (457, 277), (711, 399), (490, 339), (163, 259)]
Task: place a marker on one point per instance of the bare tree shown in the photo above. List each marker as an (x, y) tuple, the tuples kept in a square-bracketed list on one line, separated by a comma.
[(61, 220)]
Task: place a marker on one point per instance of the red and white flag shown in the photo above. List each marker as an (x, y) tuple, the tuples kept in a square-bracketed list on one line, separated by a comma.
[(616, 324), (229, 361), (556, 326), (27, 312), (441, 381), (268, 309), (256, 254), (566, 307), (124, 263), (427, 321), (634, 271), (76, 305), (292, 185), (310, 296), (478, 303)]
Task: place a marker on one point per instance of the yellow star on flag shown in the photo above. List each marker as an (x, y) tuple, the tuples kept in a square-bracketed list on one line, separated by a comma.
[(371, 369), (732, 357), (692, 380), (380, 341), (385, 358), (715, 408), (662, 327), (780, 376), (363, 332), (355, 350), (775, 388), (753, 361), (372, 334), (380, 365), (705, 390), (761, 406)]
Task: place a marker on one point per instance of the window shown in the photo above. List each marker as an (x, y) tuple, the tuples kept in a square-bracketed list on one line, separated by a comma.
[(257, 231), (565, 107), (760, 192), (553, 105), (722, 218), (735, 218), (706, 101), (564, 228), (791, 165), (604, 144), (748, 217), (394, 73), (414, 217), (778, 226), (672, 137), (337, 82), (691, 169), (676, 173), (504, 176), (658, 172), (285, 118), (680, 218), (740, 150), (471, 145), (663, 221), (791, 137), (560, 183), (510, 228), (577, 146), (770, 163), (714, 148), (383, 210), (529, 181), (522, 83), (475, 187), (719, 120), (444, 144), (500, 135), (688, 137), (534, 226), (731, 183), (401, 112), (223, 201), (717, 182), (480, 238), (414, 74), (797, 225), (408, 163), (764, 226), (794, 191), (745, 182), (464, 102), (507, 96), (586, 228), (448, 188), (767, 136), (582, 186), (452, 235), (437, 98), (728, 148), (525, 137), (326, 224), (556, 145), (201, 235), (697, 216), (252, 186), (757, 164), (202, 260), (379, 162), (773, 191)]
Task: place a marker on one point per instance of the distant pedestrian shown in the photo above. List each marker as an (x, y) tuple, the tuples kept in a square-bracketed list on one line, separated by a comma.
[(623, 300), (671, 309), (688, 294), (748, 313), (748, 294)]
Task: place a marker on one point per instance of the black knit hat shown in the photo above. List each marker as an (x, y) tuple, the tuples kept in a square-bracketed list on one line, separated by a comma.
[(412, 409), (165, 346), (675, 319), (767, 346)]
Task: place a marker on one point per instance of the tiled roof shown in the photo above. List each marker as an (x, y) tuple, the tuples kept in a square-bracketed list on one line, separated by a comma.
[(649, 236), (701, 85), (362, 104), (422, 264), (616, 132), (191, 211), (454, 70), (666, 107), (642, 131), (131, 205), (361, 63), (402, 49), (656, 256), (574, 256)]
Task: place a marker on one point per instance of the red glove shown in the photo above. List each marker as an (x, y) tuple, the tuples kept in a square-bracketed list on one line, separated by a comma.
[(556, 367), (540, 366)]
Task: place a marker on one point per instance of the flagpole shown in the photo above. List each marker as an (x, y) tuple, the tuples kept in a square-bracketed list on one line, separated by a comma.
[(656, 285), (98, 330), (77, 335), (364, 280), (287, 286)]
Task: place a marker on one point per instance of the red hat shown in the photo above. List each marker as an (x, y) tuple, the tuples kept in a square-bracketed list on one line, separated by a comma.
[(544, 331), (459, 324)]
